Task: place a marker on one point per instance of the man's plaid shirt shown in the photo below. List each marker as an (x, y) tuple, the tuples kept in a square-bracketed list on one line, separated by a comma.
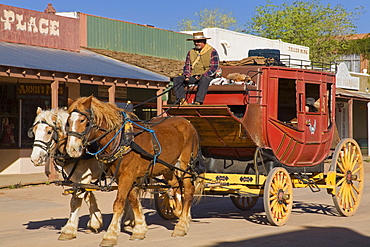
[(214, 63)]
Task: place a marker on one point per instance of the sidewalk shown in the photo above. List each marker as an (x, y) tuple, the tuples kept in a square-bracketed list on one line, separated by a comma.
[(8, 180)]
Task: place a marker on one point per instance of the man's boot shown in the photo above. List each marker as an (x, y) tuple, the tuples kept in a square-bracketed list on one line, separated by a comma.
[(183, 102)]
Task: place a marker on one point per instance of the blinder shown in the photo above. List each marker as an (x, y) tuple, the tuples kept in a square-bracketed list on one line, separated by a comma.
[(30, 133), (55, 135)]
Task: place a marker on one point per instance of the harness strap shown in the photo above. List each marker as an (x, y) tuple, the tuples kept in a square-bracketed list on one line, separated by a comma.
[(72, 171), (98, 138), (139, 149)]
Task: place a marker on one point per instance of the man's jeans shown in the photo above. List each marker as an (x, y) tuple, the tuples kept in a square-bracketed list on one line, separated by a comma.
[(203, 83)]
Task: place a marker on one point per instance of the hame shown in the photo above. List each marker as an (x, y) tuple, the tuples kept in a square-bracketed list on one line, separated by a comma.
[(34, 25)]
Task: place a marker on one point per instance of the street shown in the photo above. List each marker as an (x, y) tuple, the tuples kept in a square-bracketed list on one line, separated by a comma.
[(33, 216)]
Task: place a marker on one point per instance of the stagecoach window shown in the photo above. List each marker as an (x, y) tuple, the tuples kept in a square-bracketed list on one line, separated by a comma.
[(287, 110), (312, 103)]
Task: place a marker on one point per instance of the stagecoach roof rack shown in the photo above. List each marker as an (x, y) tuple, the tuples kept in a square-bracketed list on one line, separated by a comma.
[(307, 64), (285, 61)]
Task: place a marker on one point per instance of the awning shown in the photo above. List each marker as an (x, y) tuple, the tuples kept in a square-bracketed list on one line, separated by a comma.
[(77, 63), (340, 92)]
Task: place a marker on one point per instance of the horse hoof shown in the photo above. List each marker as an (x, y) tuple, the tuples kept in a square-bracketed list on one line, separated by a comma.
[(108, 243), (66, 236), (178, 233), (136, 237), (91, 231), (128, 228)]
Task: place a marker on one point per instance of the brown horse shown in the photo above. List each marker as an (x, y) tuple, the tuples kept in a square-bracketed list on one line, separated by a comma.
[(134, 150)]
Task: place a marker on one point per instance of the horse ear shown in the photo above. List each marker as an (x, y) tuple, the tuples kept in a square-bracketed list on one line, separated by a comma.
[(87, 103), (70, 101), (55, 116), (38, 111)]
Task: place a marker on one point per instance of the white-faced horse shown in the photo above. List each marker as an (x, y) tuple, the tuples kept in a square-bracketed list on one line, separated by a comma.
[(50, 138)]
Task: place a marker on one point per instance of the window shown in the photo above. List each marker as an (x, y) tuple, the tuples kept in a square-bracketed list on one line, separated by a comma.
[(9, 116), (287, 100), (313, 103), (352, 61)]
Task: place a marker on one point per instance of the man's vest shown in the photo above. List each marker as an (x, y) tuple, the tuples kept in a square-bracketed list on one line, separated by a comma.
[(200, 61)]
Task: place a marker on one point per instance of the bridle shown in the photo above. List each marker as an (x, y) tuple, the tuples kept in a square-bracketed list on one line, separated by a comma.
[(46, 146), (87, 131), (84, 136)]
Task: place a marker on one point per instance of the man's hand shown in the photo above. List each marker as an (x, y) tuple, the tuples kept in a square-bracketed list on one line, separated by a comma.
[(186, 79), (198, 77)]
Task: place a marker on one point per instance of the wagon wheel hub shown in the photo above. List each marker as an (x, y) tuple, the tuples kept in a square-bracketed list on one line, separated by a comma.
[(350, 177), (282, 196)]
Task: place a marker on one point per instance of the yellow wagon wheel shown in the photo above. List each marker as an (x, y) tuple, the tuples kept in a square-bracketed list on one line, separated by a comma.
[(349, 176), (278, 196), (164, 205), (244, 202)]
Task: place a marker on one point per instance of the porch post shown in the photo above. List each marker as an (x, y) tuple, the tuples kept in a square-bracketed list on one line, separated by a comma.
[(112, 93), (350, 118), (54, 94), (50, 171), (159, 102)]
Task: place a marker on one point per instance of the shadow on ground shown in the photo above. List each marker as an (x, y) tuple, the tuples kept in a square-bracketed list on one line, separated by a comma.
[(212, 207), (308, 237)]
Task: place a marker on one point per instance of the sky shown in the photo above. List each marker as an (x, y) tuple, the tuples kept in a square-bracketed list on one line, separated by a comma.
[(166, 14)]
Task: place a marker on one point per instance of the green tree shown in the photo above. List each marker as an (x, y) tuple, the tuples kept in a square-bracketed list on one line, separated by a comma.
[(208, 18), (321, 28)]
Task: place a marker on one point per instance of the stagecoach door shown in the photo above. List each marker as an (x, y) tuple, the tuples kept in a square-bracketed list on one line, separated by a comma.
[(316, 112), (302, 135)]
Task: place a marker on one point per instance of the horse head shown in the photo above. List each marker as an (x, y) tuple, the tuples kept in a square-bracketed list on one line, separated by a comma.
[(49, 132), (79, 126), (91, 121)]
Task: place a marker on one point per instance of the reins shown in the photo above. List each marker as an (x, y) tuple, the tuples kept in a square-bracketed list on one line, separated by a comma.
[(130, 145)]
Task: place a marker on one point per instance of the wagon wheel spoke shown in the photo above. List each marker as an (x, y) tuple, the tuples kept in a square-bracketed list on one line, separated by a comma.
[(163, 206), (277, 195), (347, 160), (243, 202)]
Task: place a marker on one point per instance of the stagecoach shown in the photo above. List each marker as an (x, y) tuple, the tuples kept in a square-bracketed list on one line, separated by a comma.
[(261, 139)]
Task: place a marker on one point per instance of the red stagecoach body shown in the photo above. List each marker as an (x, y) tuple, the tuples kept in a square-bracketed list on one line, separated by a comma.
[(270, 113)]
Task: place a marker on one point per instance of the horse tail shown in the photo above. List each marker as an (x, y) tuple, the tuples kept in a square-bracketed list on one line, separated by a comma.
[(199, 168), (199, 189)]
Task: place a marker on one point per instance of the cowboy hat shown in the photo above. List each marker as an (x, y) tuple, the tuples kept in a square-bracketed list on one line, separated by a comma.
[(310, 101), (198, 36)]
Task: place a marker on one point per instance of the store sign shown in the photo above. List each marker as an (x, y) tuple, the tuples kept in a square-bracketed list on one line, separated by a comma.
[(19, 22), (38, 28), (345, 80), (298, 50), (121, 92), (27, 90)]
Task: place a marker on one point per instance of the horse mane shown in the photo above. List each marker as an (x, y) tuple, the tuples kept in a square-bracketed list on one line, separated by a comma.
[(57, 118), (103, 112)]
